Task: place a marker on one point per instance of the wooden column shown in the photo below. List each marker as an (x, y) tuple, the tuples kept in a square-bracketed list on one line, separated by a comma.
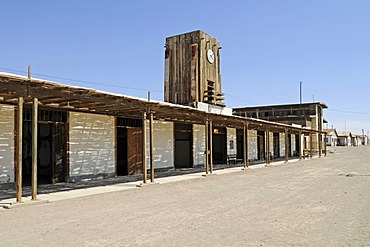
[(19, 150), (319, 137), (300, 145), (325, 143), (286, 145), (151, 147), (245, 146), (311, 141), (145, 176), (207, 147), (267, 147), (34, 147), (210, 147)]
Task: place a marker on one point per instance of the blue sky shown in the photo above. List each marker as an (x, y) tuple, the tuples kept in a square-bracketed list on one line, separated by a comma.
[(268, 48)]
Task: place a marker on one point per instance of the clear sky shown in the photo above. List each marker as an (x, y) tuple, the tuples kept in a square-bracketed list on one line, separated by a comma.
[(268, 48)]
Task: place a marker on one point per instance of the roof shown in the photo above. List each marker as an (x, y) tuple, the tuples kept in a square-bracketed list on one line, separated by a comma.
[(323, 105), (57, 96), (344, 133), (330, 131)]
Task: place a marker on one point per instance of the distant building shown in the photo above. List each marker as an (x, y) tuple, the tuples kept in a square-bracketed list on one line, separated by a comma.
[(331, 137), (308, 115), (344, 138)]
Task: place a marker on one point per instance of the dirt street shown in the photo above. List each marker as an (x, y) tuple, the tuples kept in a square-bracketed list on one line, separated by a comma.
[(318, 202)]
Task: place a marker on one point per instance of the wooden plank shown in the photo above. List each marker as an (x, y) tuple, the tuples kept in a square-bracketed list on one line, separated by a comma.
[(286, 145), (144, 147), (19, 150), (34, 147), (207, 146), (210, 147), (151, 141)]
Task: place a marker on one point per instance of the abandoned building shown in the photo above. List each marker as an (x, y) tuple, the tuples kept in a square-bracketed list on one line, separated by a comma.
[(52, 132)]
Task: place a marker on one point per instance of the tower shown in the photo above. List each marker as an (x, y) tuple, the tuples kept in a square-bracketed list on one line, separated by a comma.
[(192, 69)]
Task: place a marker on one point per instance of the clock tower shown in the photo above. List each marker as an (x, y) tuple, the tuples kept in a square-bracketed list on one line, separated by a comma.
[(192, 69)]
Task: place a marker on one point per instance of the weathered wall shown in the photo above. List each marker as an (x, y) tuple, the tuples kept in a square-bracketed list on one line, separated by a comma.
[(163, 135), (252, 144), (199, 145), (231, 140), (282, 144), (271, 147), (6, 144), (91, 146), (292, 144)]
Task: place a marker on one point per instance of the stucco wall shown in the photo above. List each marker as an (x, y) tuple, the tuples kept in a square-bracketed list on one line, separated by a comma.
[(163, 135), (282, 144), (199, 146), (91, 146), (6, 144), (231, 140)]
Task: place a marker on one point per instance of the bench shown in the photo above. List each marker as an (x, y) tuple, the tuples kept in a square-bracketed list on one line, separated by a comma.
[(231, 158)]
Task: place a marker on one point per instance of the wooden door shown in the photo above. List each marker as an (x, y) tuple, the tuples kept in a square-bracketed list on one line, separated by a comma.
[(134, 150)]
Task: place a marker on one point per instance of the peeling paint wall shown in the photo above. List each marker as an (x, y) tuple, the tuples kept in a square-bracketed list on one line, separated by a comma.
[(292, 142), (231, 140), (6, 144), (91, 144), (271, 140), (199, 144), (252, 144), (163, 135), (282, 144)]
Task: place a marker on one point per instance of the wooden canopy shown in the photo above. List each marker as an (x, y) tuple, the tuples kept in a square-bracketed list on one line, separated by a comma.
[(56, 96)]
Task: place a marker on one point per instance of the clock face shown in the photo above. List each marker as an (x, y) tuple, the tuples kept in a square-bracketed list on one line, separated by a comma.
[(210, 56)]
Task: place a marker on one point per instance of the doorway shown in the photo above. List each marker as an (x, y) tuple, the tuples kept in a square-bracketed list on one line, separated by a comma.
[(51, 147), (183, 145), (239, 144), (276, 145), (129, 146), (219, 147), (261, 145)]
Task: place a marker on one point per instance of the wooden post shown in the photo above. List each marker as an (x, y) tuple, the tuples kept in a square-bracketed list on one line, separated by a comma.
[(210, 147), (19, 149), (319, 137), (311, 145), (245, 147), (207, 148), (286, 145), (145, 176), (300, 145), (325, 143), (151, 147), (267, 147), (34, 147)]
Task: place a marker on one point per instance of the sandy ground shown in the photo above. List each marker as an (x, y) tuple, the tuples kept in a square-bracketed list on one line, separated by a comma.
[(318, 202)]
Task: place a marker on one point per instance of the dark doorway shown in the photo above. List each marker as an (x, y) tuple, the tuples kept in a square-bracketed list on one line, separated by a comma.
[(297, 145), (289, 145), (51, 147), (276, 146), (183, 145), (129, 146), (219, 147), (261, 145), (239, 144)]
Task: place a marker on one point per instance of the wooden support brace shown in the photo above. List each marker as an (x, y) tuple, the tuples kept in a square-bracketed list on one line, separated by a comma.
[(34, 147), (19, 150), (151, 147), (145, 176)]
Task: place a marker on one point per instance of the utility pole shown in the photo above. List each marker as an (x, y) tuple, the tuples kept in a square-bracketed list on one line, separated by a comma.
[(300, 92)]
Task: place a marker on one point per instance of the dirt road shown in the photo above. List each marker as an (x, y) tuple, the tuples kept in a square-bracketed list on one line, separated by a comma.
[(318, 202)]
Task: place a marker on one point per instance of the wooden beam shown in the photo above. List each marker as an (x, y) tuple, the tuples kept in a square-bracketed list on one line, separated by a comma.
[(325, 143), (300, 145), (311, 145), (319, 137), (144, 147), (210, 147), (19, 150), (245, 147), (267, 147), (34, 147), (207, 146), (151, 147), (286, 145)]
